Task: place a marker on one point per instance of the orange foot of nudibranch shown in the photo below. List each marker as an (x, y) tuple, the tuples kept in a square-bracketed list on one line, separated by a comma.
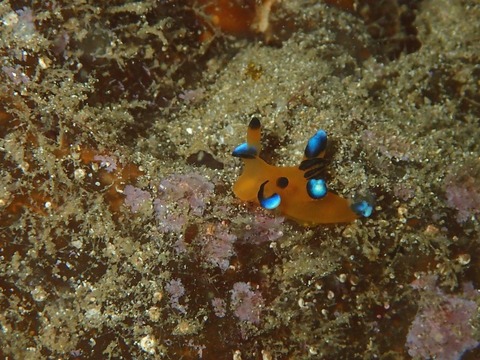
[(298, 192)]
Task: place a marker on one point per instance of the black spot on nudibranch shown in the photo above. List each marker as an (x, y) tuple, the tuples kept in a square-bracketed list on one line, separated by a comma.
[(254, 123), (282, 182)]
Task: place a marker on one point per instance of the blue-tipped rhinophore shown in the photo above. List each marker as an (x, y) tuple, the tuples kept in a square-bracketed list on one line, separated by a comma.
[(245, 151), (270, 202), (362, 208), (316, 144), (316, 188)]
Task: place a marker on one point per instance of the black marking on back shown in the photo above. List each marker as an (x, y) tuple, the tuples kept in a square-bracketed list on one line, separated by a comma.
[(314, 168)]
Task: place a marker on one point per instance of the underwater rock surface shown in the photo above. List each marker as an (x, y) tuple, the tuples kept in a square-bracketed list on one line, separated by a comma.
[(120, 235)]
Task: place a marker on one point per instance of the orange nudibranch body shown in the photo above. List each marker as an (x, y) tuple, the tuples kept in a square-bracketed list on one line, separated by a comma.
[(298, 192)]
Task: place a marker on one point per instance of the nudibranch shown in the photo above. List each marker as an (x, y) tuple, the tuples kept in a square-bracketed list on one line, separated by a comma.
[(298, 192)]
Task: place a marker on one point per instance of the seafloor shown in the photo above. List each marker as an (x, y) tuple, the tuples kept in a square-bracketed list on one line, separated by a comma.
[(120, 234)]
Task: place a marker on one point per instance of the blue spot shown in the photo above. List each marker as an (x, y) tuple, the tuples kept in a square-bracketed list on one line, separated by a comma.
[(316, 144), (316, 188), (362, 208), (245, 151), (270, 202)]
